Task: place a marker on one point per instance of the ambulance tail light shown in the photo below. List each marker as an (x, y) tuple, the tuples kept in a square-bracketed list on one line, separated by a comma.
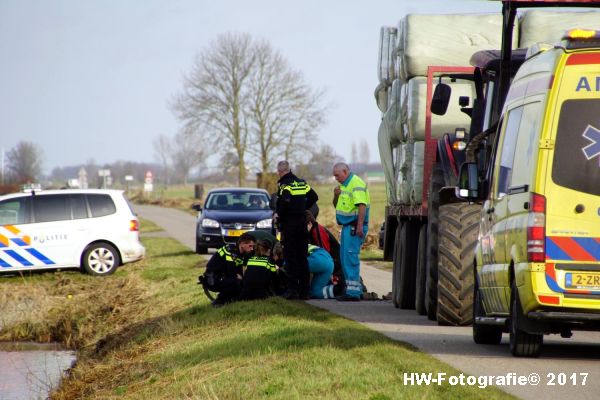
[(134, 225), (536, 229)]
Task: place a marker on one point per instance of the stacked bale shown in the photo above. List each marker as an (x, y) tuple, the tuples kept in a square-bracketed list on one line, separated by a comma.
[(422, 41), (538, 26)]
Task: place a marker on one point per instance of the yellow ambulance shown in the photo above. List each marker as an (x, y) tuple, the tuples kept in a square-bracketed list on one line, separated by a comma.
[(537, 261)]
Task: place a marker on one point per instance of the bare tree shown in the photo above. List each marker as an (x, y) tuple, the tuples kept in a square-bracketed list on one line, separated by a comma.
[(188, 153), (24, 162), (353, 153), (286, 112), (214, 100), (364, 153), (162, 153)]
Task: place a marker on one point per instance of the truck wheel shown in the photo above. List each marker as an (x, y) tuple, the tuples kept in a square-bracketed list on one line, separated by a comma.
[(406, 284), (431, 261), (522, 344), (421, 273), (483, 334), (457, 235), (396, 267)]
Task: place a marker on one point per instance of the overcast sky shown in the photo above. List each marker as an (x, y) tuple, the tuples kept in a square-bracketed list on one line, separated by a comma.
[(93, 79)]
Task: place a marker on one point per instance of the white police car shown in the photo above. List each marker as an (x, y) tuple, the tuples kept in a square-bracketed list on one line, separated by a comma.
[(94, 230)]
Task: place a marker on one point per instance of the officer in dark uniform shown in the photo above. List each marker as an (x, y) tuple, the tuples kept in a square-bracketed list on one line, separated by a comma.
[(225, 269), (294, 197)]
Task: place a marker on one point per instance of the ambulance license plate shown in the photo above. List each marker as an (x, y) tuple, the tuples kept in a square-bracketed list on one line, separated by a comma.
[(582, 281), (234, 232)]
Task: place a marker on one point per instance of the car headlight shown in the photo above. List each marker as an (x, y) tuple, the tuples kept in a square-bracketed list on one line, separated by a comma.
[(209, 223), (265, 223)]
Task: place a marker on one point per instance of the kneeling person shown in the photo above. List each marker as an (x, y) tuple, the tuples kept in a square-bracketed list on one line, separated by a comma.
[(260, 271), (225, 269), (320, 265)]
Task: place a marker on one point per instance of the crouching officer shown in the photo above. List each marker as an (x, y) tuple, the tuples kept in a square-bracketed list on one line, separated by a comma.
[(294, 197), (224, 270), (259, 274)]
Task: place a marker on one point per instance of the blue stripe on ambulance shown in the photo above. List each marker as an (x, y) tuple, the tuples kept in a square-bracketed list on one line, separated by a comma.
[(553, 252), (590, 245), (18, 257), (40, 256)]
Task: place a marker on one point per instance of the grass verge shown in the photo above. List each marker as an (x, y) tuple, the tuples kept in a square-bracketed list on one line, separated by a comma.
[(147, 333)]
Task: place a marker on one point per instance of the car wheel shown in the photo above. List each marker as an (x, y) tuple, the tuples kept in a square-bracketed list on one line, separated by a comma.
[(100, 259), (201, 249)]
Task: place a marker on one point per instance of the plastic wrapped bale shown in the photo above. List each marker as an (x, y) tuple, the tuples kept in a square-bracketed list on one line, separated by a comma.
[(549, 26), (392, 117), (447, 40), (403, 172), (387, 162), (381, 96), (387, 43), (416, 106), (416, 184)]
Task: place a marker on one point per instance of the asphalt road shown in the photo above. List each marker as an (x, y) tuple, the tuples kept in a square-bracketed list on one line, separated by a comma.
[(561, 368)]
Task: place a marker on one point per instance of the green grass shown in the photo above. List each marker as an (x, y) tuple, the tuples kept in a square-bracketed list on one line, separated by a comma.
[(147, 332)]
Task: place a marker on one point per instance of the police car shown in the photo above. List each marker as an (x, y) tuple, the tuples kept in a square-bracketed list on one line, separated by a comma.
[(92, 230)]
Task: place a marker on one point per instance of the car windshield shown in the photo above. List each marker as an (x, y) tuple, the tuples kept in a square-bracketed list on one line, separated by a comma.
[(237, 201)]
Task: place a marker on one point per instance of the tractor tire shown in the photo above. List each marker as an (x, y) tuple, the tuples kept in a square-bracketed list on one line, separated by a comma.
[(431, 258), (406, 284), (396, 267), (421, 273), (457, 235)]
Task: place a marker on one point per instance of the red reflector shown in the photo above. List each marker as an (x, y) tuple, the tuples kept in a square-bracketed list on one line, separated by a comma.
[(134, 225), (537, 203), (584, 58), (549, 299)]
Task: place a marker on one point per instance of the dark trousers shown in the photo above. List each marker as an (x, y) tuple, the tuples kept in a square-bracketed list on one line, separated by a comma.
[(295, 249), (229, 289)]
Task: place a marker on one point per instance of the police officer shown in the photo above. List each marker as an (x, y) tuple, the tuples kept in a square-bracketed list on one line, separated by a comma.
[(294, 197), (260, 273), (351, 200), (225, 269)]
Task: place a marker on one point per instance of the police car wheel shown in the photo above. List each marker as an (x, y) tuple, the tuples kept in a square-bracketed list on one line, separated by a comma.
[(100, 259)]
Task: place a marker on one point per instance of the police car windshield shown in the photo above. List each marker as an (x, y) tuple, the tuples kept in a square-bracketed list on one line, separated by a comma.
[(237, 201)]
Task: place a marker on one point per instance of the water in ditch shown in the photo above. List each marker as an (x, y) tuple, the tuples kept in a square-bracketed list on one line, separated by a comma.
[(29, 371)]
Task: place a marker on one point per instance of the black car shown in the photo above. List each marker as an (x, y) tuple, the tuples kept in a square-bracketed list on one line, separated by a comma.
[(229, 212)]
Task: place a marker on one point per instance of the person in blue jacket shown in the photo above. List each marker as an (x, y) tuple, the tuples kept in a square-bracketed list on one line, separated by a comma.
[(320, 265)]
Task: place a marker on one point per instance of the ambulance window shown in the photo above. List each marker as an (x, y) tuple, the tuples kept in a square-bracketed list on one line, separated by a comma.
[(101, 205), (78, 206), (526, 143), (508, 150), (14, 211), (576, 163), (51, 208)]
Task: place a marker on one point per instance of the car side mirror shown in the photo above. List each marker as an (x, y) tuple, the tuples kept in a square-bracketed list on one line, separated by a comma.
[(197, 207), (440, 99), (468, 182)]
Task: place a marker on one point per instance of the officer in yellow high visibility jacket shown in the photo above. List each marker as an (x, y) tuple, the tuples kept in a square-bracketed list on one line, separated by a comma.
[(351, 201)]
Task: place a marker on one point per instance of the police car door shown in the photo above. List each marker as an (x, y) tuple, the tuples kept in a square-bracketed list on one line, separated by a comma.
[(15, 249), (53, 232)]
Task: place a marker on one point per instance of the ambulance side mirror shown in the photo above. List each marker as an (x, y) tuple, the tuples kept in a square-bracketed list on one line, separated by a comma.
[(468, 182)]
